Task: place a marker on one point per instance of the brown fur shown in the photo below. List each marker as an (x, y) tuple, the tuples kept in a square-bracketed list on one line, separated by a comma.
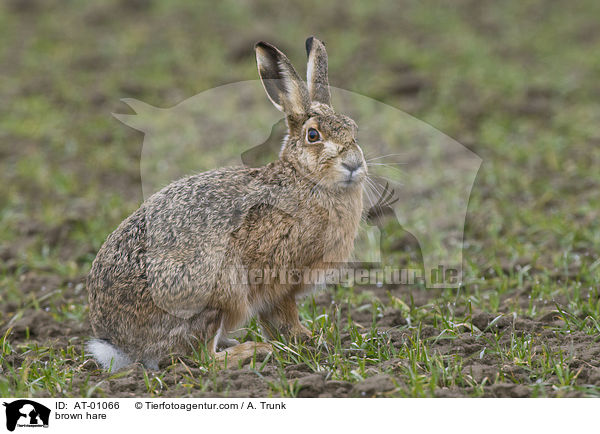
[(165, 279)]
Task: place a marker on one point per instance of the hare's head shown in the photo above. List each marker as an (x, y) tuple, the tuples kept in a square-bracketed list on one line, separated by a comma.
[(320, 143)]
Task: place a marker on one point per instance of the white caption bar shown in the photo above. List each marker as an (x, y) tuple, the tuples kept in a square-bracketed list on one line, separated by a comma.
[(164, 415)]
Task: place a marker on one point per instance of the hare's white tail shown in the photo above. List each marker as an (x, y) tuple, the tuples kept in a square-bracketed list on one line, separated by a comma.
[(108, 356)]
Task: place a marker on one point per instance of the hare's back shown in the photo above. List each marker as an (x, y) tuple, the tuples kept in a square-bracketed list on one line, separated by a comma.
[(206, 205), (188, 227)]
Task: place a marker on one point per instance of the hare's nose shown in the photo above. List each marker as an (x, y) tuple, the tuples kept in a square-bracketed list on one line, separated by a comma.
[(352, 166)]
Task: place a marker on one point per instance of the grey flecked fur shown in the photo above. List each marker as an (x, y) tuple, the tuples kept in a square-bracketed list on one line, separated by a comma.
[(165, 280)]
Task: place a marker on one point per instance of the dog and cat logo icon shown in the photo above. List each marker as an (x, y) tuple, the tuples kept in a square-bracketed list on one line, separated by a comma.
[(26, 413)]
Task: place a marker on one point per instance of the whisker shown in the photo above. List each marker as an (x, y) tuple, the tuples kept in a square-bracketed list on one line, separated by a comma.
[(384, 156), (374, 184), (374, 192), (386, 196), (391, 181), (389, 167), (368, 195)]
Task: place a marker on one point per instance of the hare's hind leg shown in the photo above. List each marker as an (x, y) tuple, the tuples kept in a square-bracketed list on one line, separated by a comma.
[(243, 353), (150, 364), (225, 342), (238, 353)]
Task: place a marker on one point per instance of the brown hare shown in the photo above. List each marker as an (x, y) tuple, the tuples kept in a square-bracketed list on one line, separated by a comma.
[(168, 278)]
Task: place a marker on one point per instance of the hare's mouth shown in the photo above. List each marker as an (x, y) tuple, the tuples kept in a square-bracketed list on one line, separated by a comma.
[(351, 175), (347, 184), (351, 181)]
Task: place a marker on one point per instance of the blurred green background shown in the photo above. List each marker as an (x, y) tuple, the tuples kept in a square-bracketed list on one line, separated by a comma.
[(515, 81)]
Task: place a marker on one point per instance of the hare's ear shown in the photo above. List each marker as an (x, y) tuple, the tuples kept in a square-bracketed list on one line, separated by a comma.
[(284, 87), (316, 71)]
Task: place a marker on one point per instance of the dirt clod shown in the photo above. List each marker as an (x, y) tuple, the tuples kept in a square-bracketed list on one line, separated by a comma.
[(373, 386)]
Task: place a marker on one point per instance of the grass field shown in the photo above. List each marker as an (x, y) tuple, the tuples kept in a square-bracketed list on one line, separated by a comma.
[(514, 81)]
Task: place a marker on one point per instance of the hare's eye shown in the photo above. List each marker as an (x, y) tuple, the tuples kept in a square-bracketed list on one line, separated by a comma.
[(312, 135)]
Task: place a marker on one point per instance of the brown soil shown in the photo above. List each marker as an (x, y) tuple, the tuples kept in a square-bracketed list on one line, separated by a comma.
[(384, 379)]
